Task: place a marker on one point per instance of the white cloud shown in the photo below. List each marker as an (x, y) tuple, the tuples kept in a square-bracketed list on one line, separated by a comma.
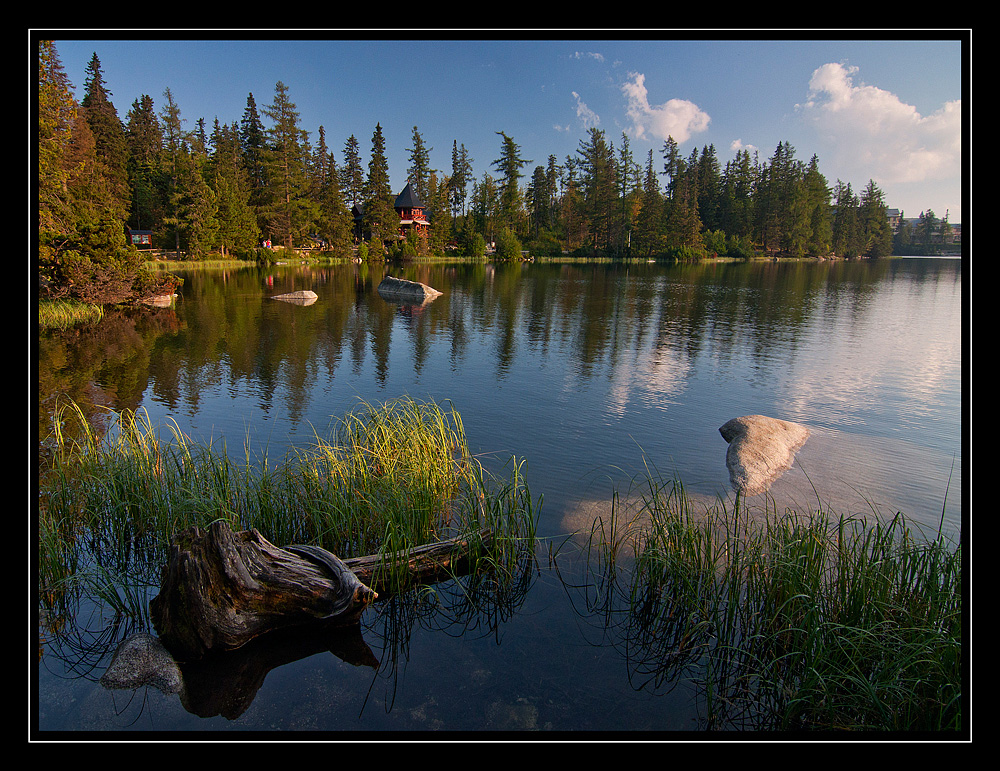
[(874, 134), (737, 144), (588, 54), (585, 114), (677, 118)]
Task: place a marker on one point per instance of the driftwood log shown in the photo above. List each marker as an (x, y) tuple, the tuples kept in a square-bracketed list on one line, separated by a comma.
[(220, 589)]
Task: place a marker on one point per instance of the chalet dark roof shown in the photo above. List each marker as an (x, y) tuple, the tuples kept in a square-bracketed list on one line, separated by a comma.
[(407, 199)]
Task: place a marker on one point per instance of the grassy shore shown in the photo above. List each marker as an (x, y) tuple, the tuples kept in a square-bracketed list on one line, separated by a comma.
[(804, 621), (391, 477), (787, 620)]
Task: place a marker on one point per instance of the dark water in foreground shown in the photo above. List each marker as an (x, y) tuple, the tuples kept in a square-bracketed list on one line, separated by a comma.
[(587, 372)]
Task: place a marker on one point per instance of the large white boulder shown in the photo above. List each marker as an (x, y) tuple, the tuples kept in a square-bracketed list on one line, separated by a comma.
[(761, 449)]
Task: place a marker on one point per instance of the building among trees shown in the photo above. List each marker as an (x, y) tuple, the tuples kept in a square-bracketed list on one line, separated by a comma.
[(410, 210)]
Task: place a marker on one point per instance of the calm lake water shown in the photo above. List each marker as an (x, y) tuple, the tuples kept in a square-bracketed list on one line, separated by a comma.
[(588, 372)]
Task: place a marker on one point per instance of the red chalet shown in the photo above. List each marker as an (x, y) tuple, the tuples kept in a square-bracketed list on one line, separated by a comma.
[(410, 211)]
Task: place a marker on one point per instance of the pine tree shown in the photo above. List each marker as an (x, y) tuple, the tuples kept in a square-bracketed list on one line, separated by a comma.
[(673, 165), (175, 150), (109, 138), (873, 220), (380, 218), (334, 221), (484, 207), (352, 173), (253, 145), (289, 211), (820, 214), (461, 176), (571, 205), (57, 115), (649, 222), (509, 165), (629, 185), (238, 229), (439, 214), (419, 170), (598, 185), (846, 231), (144, 138)]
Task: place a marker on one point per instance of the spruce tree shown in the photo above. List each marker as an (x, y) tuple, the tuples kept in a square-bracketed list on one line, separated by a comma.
[(873, 218), (175, 150), (380, 218), (461, 176), (109, 138), (334, 220), (238, 232), (57, 115), (253, 145), (289, 210), (144, 138), (419, 170), (352, 173), (509, 165), (649, 222), (599, 186)]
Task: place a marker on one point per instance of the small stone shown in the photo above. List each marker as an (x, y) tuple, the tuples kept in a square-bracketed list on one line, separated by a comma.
[(141, 660)]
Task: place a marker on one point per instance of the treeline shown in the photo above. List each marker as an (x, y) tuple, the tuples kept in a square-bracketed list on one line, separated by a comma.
[(227, 188)]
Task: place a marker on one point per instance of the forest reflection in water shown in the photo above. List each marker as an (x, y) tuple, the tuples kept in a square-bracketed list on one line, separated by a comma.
[(589, 372)]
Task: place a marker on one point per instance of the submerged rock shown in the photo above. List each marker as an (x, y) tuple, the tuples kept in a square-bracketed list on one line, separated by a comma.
[(761, 449), (141, 659), (400, 289)]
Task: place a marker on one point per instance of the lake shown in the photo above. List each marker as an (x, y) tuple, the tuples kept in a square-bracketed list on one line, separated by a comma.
[(589, 372)]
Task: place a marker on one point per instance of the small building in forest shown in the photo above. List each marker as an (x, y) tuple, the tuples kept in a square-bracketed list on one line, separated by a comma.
[(411, 212), (140, 239)]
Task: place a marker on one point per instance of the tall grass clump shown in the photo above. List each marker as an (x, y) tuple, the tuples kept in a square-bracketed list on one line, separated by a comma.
[(390, 477), (63, 314), (795, 621)]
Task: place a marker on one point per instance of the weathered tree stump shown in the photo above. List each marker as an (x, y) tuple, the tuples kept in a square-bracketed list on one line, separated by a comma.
[(221, 589)]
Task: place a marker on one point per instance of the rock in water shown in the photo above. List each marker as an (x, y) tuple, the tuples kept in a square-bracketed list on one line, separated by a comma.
[(761, 449), (302, 297), (142, 660), (400, 289)]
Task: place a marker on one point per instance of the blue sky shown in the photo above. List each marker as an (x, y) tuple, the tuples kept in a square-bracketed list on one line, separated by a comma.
[(888, 110)]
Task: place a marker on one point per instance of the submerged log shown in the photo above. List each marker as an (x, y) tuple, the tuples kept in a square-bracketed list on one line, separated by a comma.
[(422, 564), (221, 589)]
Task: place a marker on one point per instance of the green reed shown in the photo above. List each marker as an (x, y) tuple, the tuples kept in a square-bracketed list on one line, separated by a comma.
[(390, 477), (62, 314), (793, 621)]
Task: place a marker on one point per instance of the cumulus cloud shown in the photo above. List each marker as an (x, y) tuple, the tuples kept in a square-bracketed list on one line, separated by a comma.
[(588, 117), (588, 55), (872, 131), (677, 118), (737, 145)]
